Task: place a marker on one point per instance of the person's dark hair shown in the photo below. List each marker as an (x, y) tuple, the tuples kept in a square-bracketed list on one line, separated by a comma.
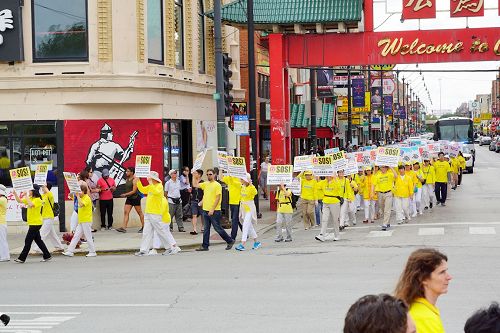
[(131, 169), (440, 153), (211, 170), (200, 172), (185, 168), (419, 267), (401, 167), (84, 175), (88, 168), (49, 186), (377, 314), (35, 192), (485, 320)]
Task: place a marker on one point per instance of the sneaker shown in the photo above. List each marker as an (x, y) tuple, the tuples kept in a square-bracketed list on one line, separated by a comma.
[(288, 240), (201, 249), (140, 231), (421, 213), (229, 245), (19, 261), (320, 238), (443, 204), (240, 247), (426, 207), (140, 254), (336, 239), (430, 205), (193, 233), (121, 230), (400, 222), (46, 259), (152, 252), (84, 241), (384, 227), (182, 230), (365, 221), (354, 223), (277, 240), (68, 254), (414, 215), (256, 245), (173, 250), (5, 319), (90, 255)]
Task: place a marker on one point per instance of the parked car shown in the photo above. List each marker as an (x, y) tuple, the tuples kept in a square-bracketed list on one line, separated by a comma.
[(485, 140), (493, 143), (477, 139)]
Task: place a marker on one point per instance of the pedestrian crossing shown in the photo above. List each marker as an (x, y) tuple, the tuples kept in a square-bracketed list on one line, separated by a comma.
[(36, 322), (424, 231)]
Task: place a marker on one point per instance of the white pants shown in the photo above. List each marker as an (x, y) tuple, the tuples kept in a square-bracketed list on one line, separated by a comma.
[(74, 221), (82, 229), (359, 201), (428, 195), (332, 210), (370, 210), (402, 208), (416, 202), (153, 223), (248, 229), (4, 246), (347, 212), (48, 233), (170, 238)]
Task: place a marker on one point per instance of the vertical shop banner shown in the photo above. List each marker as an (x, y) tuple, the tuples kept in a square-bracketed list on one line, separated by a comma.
[(324, 80), (419, 9), (112, 145), (143, 165), (376, 98), (11, 31), (388, 105), (21, 179), (466, 8), (358, 92)]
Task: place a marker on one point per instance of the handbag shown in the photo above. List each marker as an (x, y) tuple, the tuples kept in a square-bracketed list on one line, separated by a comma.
[(175, 200), (55, 208)]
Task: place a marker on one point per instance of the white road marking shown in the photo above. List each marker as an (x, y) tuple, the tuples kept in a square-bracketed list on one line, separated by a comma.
[(35, 325), (96, 305), (380, 233), (482, 231), (444, 224), (44, 313), (430, 231)]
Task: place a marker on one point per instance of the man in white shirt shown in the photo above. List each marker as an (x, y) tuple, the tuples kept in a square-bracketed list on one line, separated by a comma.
[(173, 194)]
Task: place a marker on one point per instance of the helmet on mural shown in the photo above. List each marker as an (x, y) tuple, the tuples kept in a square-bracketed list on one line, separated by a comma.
[(106, 132)]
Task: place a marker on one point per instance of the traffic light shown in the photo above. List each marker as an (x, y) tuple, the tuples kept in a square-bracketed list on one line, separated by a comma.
[(228, 85)]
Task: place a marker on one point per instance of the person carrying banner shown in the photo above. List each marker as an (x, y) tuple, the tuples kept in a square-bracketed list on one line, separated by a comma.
[(428, 196), (166, 220), (308, 196), (348, 207), (4, 245), (369, 196), (417, 206), (319, 207), (443, 172), (48, 231), (284, 213), (359, 178), (462, 166), (333, 191), (384, 183), (248, 213), (234, 188), (403, 190)]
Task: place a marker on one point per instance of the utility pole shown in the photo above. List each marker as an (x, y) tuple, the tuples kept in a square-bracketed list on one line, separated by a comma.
[(312, 82), (252, 99), (349, 108), (370, 112), (382, 115), (396, 123), (404, 106), (219, 78)]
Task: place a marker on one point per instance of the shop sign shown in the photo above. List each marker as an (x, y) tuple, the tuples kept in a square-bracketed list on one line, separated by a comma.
[(419, 9), (241, 125), (40, 156), (486, 116), (342, 108), (466, 8), (389, 85), (10, 31)]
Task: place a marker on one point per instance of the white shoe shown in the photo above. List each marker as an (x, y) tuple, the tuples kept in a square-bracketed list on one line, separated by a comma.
[(152, 252), (336, 239), (421, 213), (93, 254), (172, 250), (400, 222), (4, 260), (68, 254), (320, 238), (414, 215)]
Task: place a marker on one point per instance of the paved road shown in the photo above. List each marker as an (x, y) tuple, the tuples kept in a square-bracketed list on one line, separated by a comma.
[(294, 287)]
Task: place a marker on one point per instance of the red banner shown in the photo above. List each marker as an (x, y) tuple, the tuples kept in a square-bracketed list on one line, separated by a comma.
[(419, 9), (112, 145), (394, 47), (466, 8)]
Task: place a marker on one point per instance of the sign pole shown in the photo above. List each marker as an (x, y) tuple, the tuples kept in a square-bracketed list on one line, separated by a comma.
[(312, 82), (219, 77), (382, 129)]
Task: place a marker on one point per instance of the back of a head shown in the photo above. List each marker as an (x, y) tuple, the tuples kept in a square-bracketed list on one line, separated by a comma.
[(484, 320), (377, 314)]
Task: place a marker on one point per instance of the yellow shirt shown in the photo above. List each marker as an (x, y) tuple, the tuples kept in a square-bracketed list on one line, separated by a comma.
[(376, 174), (367, 187), (319, 192), (441, 169), (85, 209), (47, 212), (403, 187), (384, 182), (34, 214), (284, 200), (418, 173), (308, 189), (331, 189), (455, 164), (234, 188), (247, 194), (3, 209), (346, 186), (210, 192), (359, 179), (154, 197), (461, 161), (165, 216), (426, 317), (429, 174)]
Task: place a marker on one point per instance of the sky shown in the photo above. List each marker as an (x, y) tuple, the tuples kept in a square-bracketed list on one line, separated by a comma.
[(456, 88)]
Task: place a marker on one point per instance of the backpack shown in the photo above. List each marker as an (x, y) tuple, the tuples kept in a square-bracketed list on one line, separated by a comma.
[(24, 213)]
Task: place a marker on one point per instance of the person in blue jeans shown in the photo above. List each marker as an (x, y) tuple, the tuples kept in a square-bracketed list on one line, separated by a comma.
[(212, 197)]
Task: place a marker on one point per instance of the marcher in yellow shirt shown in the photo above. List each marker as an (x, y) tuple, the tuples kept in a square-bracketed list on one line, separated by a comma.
[(384, 183), (442, 170), (166, 219), (462, 166), (319, 196), (248, 213), (369, 195), (359, 178), (455, 169), (428, 195), (284, 213), (348, 208), (234, 188), (416, 205), (332, 189), (424, 278), (48, 232), (4, 246), (309, 197), (403, 190)]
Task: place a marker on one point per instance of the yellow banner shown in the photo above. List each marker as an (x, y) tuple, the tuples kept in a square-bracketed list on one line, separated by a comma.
[(486, 116), (477, 120), (343, 108)]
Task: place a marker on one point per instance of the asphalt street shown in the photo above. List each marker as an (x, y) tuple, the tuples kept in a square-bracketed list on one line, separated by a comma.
[(303, 286)]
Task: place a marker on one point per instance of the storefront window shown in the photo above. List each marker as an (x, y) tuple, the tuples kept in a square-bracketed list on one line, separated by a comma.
[(172, 145), (179, 34), (60, 30), (155, 31)]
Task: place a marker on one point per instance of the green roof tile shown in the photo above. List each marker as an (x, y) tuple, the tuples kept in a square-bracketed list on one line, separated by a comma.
[(293, 11)]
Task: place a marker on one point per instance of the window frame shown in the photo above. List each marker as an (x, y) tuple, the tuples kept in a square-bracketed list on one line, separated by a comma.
[(167, 133), (63, 59), (162, 61), (202, 42), (179, 4)]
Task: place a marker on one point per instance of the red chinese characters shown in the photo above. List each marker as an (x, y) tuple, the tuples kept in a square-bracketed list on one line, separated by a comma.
[(465, 8), (419, 9)]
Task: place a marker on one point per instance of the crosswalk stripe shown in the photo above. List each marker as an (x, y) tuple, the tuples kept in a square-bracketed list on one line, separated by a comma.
[(430, 231), (374, 234), (482, 230)]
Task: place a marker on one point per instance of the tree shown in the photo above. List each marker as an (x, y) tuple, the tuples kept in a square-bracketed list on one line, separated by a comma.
[(64, 43)]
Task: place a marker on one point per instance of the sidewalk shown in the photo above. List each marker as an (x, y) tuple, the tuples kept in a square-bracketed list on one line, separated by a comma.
[(112, 241)]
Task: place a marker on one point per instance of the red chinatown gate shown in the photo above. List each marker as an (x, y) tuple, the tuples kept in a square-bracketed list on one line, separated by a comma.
[(364, 48)]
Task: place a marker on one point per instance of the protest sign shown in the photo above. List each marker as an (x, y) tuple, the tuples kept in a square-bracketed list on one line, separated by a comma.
[(72, 182), (453, 149), (323, 165), (222, 159), (21, 179), (387, 156), (331, 150), (279, 174), (416, 157), (405, 155), (424, 152), (41, 174), (295, 186), (143, 166), (198, 162), (339, 161), (363, 159), (352, 165), (236, 167), (302, 163)]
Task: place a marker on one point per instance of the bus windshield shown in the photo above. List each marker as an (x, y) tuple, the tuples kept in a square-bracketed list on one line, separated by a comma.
[(458, 131)]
